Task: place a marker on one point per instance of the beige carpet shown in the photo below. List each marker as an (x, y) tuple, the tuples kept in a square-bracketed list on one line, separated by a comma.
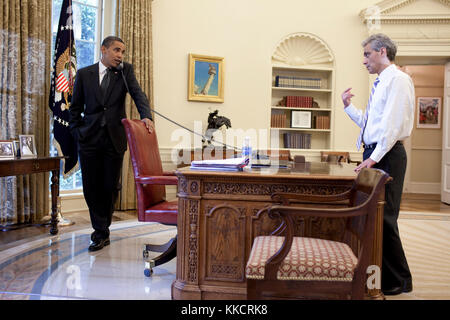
[(426, 241)]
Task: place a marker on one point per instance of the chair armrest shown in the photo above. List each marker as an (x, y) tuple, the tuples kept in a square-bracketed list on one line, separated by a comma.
[(354, 161), (286, 198), (159, 180), (286, 214), (284, 211)]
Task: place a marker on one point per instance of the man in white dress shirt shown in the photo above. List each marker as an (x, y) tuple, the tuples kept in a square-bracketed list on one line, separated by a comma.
[(387, 120)]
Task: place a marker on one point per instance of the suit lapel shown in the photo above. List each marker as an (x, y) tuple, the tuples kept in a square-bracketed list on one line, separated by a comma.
[(96, 76)]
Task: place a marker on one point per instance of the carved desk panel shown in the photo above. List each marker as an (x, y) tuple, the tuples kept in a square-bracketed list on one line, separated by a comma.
[(220, 213)]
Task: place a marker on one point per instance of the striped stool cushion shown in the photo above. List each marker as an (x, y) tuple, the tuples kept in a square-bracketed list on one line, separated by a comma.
[(308, 259)]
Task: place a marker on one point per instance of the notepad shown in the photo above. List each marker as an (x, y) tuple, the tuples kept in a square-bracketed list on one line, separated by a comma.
[(231, 164)]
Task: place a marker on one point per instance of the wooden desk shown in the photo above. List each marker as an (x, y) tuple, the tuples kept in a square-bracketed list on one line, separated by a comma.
[(220, 213), (21, 166)]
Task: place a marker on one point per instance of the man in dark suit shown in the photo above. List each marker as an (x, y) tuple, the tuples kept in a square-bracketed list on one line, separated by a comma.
[(98, 105)]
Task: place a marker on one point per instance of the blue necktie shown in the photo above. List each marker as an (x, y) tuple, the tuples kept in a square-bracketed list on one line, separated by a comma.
[(366, 115)]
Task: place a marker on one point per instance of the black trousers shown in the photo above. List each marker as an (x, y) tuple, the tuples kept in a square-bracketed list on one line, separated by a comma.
[(395, 269), (100, 168)]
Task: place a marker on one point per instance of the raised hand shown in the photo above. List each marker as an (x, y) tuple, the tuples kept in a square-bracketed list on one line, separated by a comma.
[(347, 97)]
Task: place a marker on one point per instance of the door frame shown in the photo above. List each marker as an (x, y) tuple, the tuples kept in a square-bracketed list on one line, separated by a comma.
[(410, 186)]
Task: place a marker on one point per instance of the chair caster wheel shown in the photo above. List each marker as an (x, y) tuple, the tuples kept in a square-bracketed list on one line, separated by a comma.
[(148, 268), (148, 272)]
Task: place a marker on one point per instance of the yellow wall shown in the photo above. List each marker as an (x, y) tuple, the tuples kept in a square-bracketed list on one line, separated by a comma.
[(245, 33)]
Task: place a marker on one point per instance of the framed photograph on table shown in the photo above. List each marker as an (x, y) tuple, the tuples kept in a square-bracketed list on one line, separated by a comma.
[(6, 149), (301, 119), (206, 76), (429, 112), (27, 145)]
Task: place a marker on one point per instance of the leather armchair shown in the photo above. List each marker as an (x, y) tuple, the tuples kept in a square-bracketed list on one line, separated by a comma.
[(150, 182)]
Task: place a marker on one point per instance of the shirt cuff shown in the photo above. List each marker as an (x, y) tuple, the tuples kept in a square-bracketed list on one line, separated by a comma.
[(350, 109), (377, 154)]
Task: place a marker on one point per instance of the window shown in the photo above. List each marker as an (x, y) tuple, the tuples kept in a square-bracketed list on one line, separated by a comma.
[(86, 24)]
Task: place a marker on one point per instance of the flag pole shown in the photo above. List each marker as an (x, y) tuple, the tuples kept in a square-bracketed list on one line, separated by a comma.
[(63, 72)]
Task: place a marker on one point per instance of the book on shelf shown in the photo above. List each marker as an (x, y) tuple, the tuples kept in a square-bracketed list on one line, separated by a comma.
[(294, 140), (298, 82), (278, 119), (299, 102), (322, 122)]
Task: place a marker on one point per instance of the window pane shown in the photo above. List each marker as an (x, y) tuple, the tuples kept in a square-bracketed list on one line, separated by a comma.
[(85, 53), (85, 22), (55, 15), (90, 2), (89, 23), (78, 181)]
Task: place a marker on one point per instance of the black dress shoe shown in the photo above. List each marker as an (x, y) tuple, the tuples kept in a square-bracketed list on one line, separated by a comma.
[(407, 287), (98, 244), (392, 291)]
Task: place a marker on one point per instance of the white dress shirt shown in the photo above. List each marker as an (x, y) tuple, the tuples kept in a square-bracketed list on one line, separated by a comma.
[(101, 71), (391, 114)]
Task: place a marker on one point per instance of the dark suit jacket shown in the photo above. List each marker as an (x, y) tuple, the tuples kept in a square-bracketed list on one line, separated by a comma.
[(89, 105)]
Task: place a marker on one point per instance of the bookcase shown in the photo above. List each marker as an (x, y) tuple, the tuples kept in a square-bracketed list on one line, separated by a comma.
[(302, 107)]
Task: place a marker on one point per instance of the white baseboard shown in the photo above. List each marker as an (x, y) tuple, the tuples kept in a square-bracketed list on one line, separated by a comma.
[(423, 187), (73, 202)]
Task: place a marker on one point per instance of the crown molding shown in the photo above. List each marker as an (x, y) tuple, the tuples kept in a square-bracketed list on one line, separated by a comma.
[(416, 19), (384, 13), (423, 47)]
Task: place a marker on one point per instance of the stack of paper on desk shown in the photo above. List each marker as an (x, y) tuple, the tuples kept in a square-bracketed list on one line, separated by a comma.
[(232, 164)]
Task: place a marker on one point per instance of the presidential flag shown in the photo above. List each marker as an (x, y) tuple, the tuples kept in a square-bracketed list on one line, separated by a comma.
[(63, 75)]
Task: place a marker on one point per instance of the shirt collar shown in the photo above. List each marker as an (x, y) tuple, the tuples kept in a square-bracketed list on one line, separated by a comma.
[(386, 73), (102, 67)]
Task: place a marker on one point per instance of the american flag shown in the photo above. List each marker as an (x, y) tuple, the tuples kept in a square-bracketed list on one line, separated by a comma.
[(64, 70), (62, 82)]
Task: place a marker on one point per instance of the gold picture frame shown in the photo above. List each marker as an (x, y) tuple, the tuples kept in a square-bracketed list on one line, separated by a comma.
[(206, 78), (429, 111)]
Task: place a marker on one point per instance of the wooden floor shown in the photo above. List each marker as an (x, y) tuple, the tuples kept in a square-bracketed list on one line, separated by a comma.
[(424, 203)]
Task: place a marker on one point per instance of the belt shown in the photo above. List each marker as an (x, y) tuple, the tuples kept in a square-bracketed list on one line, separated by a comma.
[(373, 145)]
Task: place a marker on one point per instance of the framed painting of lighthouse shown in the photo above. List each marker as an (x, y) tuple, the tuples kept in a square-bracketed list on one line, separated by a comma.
[(206, 76)]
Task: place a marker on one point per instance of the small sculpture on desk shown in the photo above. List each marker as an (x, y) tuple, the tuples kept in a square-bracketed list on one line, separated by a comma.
[(215, 122)]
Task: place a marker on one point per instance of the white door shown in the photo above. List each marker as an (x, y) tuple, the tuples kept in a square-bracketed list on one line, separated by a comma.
[(445, 181), (407, 145)]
